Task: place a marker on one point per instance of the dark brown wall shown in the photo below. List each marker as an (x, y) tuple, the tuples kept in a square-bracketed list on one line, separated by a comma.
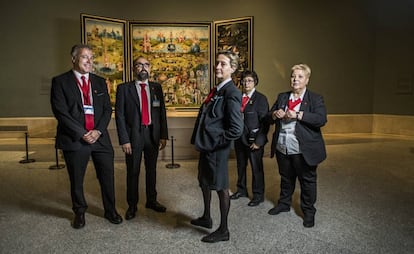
[(359, 51)]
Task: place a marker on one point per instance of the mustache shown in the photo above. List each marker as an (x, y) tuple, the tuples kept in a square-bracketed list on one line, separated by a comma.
[(143, 75)]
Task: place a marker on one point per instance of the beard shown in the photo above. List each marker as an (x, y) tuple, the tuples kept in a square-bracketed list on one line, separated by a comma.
[(143, 75)]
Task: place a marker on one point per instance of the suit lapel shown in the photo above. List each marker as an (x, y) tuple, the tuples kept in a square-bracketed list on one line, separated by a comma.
[(132, 90), (93, 87), (74, 88), (284, 101), (251, 101), (304, 106)]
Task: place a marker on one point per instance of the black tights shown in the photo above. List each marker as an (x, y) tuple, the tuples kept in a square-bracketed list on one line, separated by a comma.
[(224, 199)]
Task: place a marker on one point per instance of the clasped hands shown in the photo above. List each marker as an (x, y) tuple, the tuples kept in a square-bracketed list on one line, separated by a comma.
[(288, 114), (91, 136)]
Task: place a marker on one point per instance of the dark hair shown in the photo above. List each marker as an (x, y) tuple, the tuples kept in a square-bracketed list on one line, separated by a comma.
[(248, 73)]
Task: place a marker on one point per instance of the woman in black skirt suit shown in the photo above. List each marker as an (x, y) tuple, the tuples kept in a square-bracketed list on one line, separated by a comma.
[(219, 122)]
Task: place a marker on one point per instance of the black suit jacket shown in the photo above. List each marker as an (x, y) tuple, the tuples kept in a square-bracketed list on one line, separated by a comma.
[(308, 130), (255, 114), (67, 107), (128, 114), (219, 121)]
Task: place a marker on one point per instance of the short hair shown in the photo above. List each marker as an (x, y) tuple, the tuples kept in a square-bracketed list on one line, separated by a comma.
[(78, 47), (303, 67), (234, 58), (248, 73), (134, 62)]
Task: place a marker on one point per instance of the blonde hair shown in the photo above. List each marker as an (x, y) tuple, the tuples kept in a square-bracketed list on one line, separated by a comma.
[(303, 67)]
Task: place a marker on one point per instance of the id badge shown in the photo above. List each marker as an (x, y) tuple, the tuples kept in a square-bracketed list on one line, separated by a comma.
[(156, 103), (88, 109)]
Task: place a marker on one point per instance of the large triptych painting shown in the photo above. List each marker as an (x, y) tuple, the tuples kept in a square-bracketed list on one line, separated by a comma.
[(179, 54)]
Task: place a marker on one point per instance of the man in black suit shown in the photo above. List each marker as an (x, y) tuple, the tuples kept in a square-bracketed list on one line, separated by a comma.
[(298, 143), (142, 129), (250, 146), (81, 105)]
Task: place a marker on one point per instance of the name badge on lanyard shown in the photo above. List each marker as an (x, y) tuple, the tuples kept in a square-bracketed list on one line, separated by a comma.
[(88, 109)]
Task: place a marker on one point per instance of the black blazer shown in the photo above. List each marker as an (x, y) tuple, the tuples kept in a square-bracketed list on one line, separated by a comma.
[(219, 121), (66, 102), (308, 130), (255, 114), (128, 114)]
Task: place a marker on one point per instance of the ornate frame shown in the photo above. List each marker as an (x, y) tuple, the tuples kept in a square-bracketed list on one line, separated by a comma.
[(108, 38), (236, 35)]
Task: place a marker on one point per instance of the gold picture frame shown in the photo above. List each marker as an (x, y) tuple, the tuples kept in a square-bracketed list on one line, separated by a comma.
[(236, 35), (107, 37)]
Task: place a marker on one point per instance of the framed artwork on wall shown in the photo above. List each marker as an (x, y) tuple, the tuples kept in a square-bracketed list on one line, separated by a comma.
[(181, 54), (236, 35), (180, 57), (108, 38)]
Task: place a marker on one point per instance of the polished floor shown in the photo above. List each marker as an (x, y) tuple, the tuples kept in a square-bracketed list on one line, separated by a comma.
[(365, 205)]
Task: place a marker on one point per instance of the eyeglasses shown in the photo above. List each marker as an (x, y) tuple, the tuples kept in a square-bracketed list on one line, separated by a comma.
[(141, 65), (245, 81)]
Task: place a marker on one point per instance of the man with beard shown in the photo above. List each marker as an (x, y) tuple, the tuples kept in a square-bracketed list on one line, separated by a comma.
[(142, 129)]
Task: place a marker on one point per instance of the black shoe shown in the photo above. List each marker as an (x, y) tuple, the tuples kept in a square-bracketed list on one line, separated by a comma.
[(130, 213), (278, 209), (202, 222), (255, 201), (237, 195), (309, 221), (216, 236), (113, 217), (156, 207), (79, 220)]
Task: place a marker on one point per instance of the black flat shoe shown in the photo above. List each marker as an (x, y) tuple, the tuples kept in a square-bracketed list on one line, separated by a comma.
[(202, 222), (255, 201), (278, 209), (216, 236), (156, 207), (238, 195), (79, 221), (113, 217), (130, 213), (309, 221)]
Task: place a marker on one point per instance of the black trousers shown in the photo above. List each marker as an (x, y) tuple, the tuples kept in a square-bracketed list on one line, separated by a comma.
[(243, 155), (76, 164), (292, 167), (150, 150)]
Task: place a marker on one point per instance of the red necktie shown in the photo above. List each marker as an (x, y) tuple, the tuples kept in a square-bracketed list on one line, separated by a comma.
[(210, 96), (144, 110), (293, 104), (89, 119), (245, 99)]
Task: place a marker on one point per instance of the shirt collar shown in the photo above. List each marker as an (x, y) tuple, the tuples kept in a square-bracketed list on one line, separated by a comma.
[(79, 75), (291, 97), (222, 83), (250, 94)]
